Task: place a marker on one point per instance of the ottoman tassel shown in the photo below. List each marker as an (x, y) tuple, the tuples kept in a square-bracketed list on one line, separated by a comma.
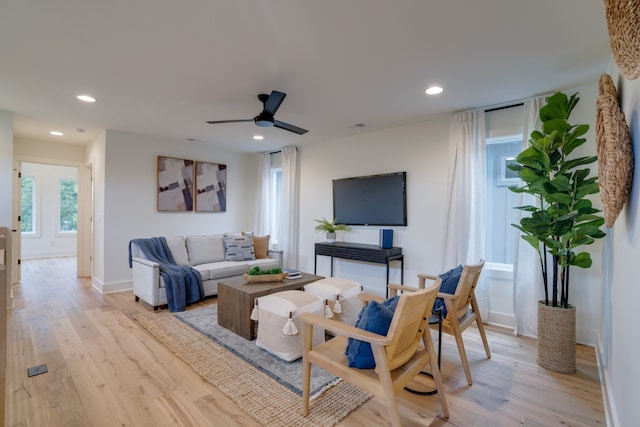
[(337, 307), (290, 327), (327, 310), (254, 312)]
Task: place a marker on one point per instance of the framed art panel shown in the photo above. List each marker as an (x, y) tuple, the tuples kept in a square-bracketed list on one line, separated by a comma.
[(175, 185), (211, 187)]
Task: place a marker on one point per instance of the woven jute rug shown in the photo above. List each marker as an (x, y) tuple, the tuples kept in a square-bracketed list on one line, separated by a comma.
[(257, 394)]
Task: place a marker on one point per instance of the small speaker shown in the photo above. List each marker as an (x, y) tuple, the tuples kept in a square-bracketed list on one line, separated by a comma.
[(386, 238)]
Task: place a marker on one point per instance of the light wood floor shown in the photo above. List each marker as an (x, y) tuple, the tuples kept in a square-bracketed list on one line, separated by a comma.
[(104, 370)]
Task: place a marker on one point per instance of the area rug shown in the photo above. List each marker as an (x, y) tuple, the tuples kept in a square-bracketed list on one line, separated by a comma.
[(289, 374), (259, 395)]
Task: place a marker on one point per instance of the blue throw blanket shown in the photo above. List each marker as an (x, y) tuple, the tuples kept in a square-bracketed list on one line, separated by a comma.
[(182, 283)]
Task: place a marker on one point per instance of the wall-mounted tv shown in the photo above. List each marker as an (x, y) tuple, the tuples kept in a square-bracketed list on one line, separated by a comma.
[(371, 200)]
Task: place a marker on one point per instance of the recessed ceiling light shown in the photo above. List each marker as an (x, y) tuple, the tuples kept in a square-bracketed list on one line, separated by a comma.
[(56, 133), (258, 137), (86, 98), (434, 90)]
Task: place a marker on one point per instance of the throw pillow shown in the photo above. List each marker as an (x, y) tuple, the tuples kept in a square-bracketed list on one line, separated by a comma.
[(374, 317), (261, 246), (238, 247), (449, 284)]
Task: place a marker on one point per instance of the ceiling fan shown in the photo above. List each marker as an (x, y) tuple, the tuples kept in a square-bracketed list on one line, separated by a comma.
[(270, 103)]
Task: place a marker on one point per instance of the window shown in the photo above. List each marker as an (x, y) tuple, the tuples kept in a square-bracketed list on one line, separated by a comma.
[(27, 205), (500, 200), (275, 197), (68, 192)]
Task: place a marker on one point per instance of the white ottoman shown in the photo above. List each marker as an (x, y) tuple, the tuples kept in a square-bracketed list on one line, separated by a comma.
[(342, 295), (274, 311)]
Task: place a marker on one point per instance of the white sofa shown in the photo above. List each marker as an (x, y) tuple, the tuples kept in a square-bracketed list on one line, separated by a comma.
[(205, 253)]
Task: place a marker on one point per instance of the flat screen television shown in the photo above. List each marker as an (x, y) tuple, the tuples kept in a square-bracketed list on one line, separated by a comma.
[(371, 200)]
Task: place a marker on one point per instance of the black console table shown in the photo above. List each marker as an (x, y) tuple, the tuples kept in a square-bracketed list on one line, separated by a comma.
[(360, 252)]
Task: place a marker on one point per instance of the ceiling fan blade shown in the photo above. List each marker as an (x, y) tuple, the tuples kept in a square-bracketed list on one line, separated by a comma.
[(272, 104), (229, 121), (291, 128)]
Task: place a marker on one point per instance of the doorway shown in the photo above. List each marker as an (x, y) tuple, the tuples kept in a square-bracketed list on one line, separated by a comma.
[(54, 202)]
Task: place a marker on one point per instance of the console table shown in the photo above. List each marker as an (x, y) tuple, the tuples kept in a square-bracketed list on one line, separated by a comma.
[(360, 252)]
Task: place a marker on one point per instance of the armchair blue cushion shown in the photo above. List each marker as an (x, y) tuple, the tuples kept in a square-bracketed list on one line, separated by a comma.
[(374, 317), (449, 284)]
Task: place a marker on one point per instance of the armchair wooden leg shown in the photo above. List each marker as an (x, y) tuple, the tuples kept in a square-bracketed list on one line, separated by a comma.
[(382, 368), (484, 337), (476, 310), (435, 369), (463, 355), (307, 335)]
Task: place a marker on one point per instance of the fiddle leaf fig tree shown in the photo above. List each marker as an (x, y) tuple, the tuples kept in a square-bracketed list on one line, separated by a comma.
[(563, 218)]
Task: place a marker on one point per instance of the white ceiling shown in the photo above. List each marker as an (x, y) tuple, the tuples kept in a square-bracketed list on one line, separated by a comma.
[(164, 67)]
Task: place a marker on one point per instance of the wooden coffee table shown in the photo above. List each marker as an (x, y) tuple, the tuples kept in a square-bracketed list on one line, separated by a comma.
[(236, 298)]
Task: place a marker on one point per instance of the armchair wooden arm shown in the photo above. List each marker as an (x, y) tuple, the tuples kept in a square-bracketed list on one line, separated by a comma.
[(394, 288)]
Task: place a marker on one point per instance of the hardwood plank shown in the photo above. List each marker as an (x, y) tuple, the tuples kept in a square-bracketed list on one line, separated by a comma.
[(104, 370)]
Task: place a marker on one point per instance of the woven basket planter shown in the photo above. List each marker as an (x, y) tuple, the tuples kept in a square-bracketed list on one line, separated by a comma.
[(557, 338)]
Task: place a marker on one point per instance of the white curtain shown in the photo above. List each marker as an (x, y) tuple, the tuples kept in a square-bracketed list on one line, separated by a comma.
[(464, 240), (263, 205), (527, 276), (289, 207)]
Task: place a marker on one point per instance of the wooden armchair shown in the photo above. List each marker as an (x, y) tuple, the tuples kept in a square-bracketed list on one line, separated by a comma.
[(462, 310), (398, 355)]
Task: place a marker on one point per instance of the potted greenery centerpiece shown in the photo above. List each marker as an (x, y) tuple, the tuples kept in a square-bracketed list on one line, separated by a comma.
[(330, 228), (562, 221)]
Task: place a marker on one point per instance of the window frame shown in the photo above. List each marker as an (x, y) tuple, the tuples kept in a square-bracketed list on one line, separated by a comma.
[(502, 181), (35, 206), (58, 229), (275, 196)]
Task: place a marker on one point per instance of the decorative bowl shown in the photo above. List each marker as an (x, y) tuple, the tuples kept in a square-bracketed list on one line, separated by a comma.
[(258, 278)]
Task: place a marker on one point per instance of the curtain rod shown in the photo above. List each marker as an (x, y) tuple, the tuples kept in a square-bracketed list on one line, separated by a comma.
[(504, 107), (280, 150)]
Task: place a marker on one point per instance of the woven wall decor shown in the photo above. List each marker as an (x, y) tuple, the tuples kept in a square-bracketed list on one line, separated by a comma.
[(615, 153), (623, 20)]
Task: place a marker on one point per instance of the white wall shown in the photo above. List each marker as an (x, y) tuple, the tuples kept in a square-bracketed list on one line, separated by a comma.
[(129, 207), (47, 241), (619, 340), (422, 151), (42, 151), (6, 168)]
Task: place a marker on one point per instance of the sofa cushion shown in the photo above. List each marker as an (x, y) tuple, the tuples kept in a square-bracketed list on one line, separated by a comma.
[(205, 249), (238, 247), (222, 269), (261, 246), (178, 249)]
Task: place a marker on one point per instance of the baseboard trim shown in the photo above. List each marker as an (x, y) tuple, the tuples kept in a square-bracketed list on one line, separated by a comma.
[(110, 288), (610, 414), (501, 319)]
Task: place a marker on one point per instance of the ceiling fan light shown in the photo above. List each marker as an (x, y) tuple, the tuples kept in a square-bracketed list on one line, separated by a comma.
[(264, 123)]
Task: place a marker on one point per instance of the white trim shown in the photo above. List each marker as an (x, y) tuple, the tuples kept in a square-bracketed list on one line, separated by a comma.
[(610, 414), (114, 287)]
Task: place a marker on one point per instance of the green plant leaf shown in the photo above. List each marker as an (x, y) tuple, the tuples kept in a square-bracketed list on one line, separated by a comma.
[(582, 260)]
